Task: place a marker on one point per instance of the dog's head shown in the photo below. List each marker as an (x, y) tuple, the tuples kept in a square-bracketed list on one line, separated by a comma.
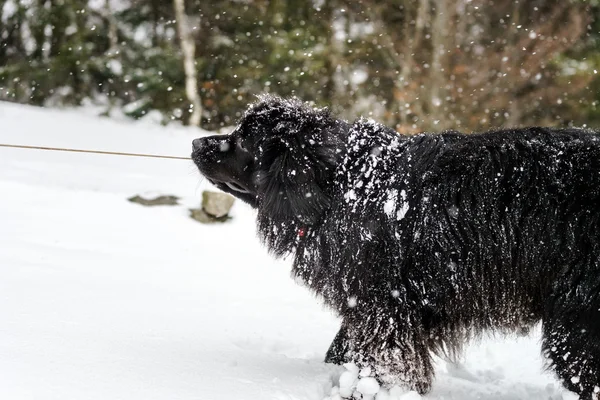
[(280, 158)]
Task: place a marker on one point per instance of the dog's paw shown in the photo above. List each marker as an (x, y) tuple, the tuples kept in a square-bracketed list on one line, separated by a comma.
[(360, 384)]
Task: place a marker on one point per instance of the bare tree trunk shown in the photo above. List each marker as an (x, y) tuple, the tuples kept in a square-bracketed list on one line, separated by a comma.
[(112, 28), (439, 38), (416, 42), (155, 16), (188, 48), (37, 30)]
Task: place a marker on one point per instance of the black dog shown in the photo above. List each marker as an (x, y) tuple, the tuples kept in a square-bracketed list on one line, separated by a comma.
[(420, 242)]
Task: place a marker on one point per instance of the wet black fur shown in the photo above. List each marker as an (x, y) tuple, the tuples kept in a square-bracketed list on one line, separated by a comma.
[(420, 242)]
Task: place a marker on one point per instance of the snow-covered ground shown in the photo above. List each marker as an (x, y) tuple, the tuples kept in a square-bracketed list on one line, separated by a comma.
[(105, 299)]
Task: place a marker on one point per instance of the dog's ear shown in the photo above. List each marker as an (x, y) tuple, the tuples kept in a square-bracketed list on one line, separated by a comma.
[(295, 178)]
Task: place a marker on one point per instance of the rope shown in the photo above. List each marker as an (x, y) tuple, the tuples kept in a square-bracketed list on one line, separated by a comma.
[(115, 153)]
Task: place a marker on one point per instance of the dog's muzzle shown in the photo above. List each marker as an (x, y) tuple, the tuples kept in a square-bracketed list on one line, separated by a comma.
[(198, 143)]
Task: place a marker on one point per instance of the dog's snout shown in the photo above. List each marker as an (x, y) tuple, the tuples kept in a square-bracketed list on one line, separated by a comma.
[(198, 143)]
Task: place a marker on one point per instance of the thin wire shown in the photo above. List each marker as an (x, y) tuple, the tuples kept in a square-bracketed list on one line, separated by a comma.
[(115, 153)]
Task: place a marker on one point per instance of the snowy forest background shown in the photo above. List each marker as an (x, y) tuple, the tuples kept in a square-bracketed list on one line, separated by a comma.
[(413, 64)]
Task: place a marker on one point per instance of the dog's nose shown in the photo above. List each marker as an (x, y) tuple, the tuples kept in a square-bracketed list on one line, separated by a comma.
[(198, 143)]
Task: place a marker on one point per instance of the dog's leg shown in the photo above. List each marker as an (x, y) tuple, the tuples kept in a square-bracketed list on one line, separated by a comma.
[(571, 335), (394, 350), (338, 351)]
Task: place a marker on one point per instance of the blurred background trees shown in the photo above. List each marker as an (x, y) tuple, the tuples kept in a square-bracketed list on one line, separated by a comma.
[(413, 64)]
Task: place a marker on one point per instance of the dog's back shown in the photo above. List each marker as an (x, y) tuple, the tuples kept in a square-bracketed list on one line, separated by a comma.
[(465, 233), (517, 209)]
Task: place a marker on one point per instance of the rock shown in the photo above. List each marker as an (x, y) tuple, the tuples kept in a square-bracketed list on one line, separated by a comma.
[(217, 204), (162, 200), (201, 216), (215, 208)]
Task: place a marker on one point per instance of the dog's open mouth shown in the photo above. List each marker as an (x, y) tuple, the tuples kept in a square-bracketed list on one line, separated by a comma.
[(231, 185), (236, 187)]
